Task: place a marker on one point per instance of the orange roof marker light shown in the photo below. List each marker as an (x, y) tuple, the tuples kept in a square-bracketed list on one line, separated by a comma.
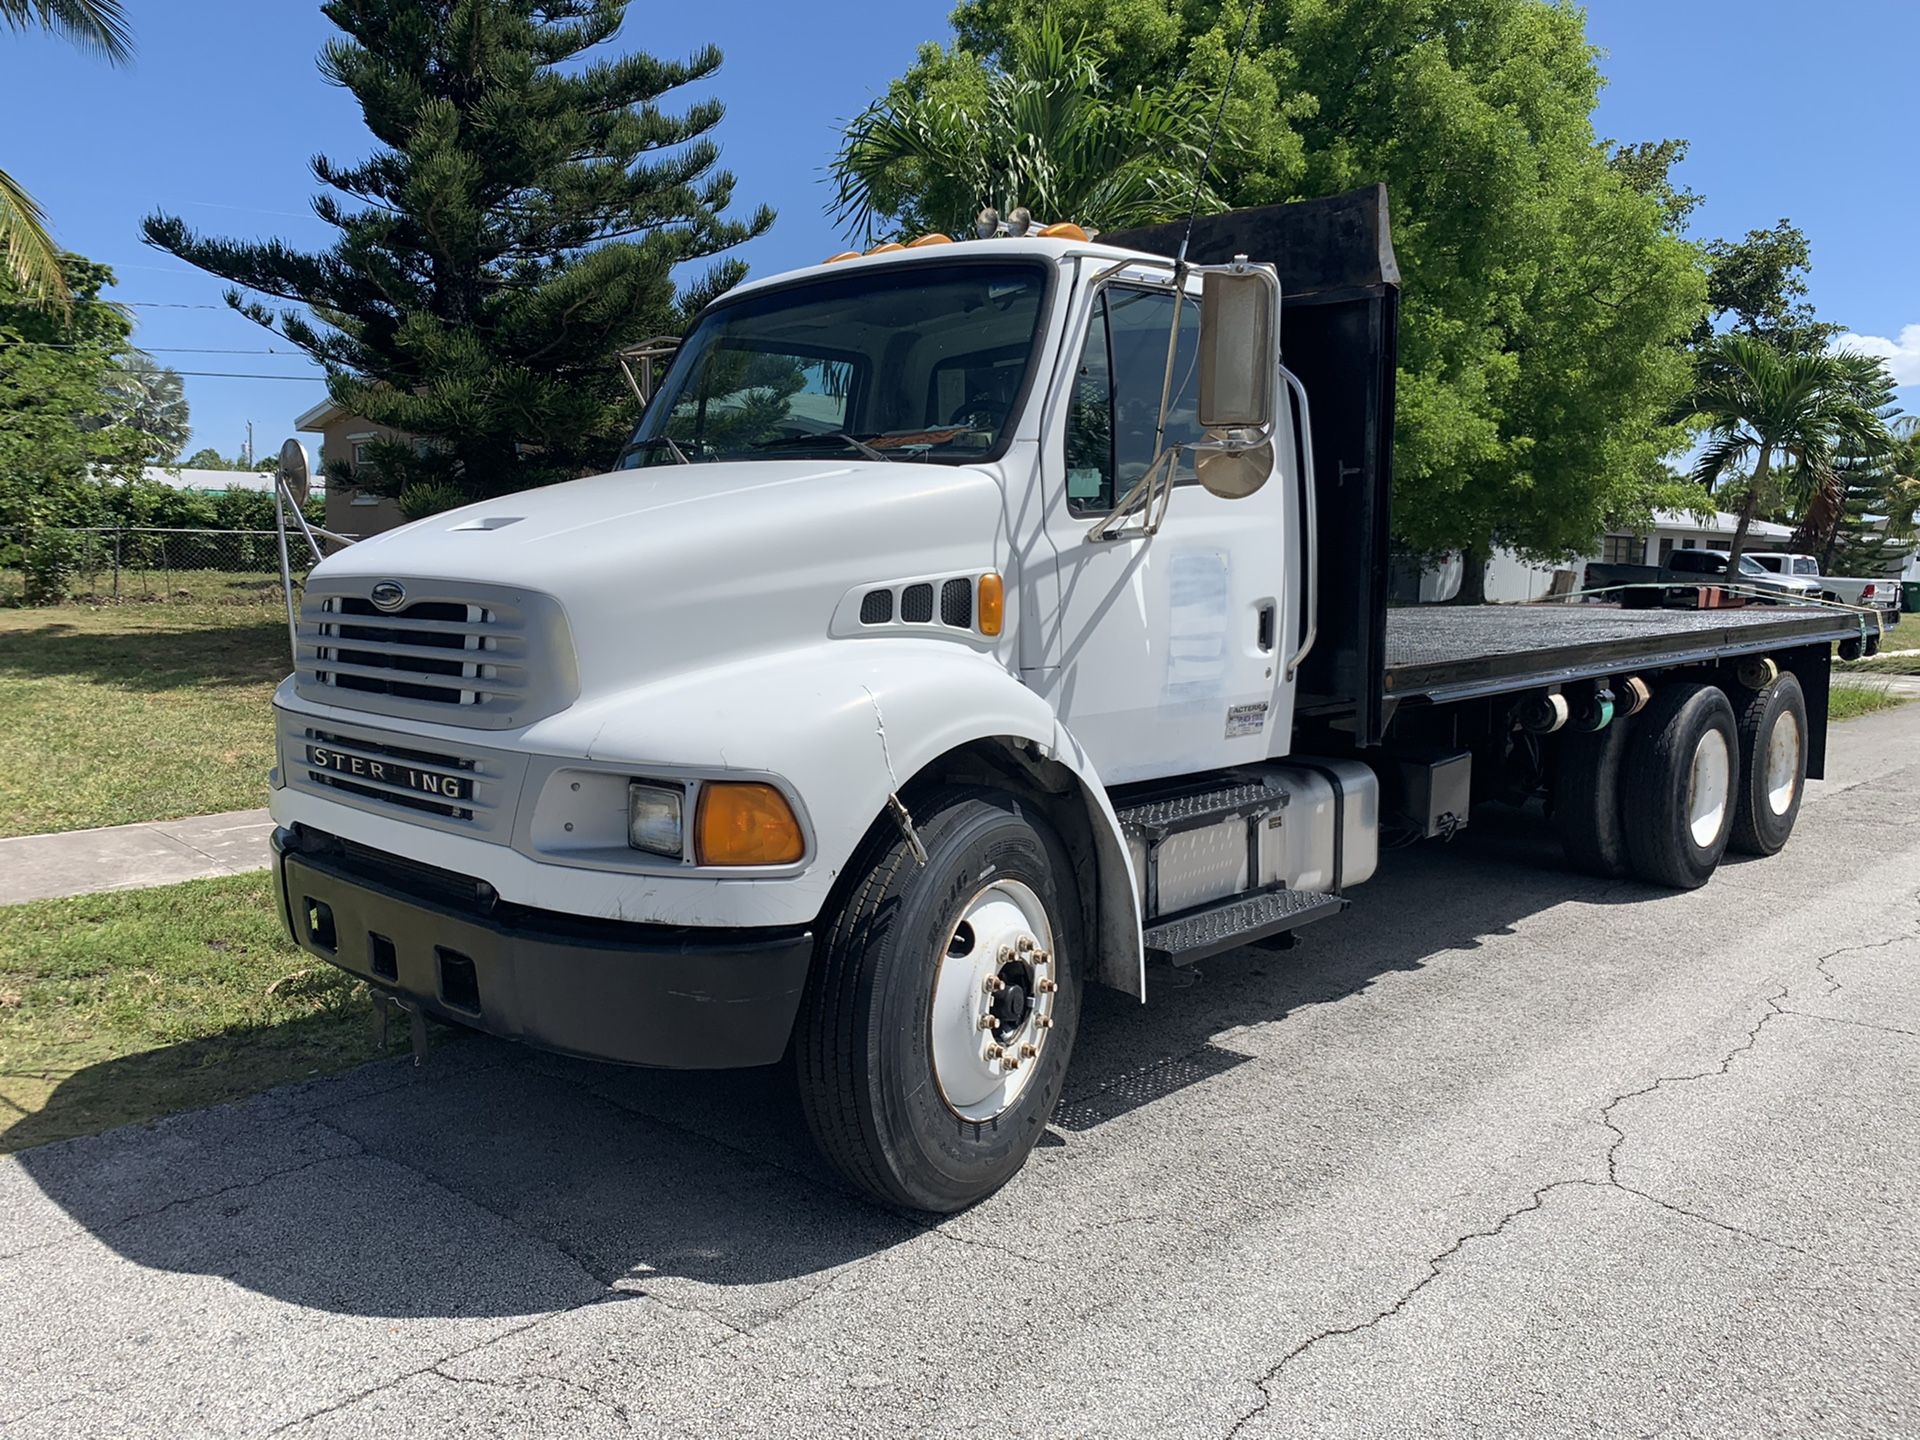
[(1063, 230), (936, 238), (843, 255), (886, 249)]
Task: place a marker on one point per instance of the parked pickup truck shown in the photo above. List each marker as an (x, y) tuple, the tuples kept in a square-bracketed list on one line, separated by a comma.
[(1686, 573), (1881, 594), (967, 624)]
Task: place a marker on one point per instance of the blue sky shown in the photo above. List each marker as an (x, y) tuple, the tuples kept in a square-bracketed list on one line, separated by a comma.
[(1792, 111)]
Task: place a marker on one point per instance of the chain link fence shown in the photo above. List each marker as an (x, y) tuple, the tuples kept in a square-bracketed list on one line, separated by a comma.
[(109, 564)]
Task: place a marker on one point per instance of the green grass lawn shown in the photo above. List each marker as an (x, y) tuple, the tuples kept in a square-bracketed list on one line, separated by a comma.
[(1882, 664), (125, 1007), (1850, 701), (116, 713)]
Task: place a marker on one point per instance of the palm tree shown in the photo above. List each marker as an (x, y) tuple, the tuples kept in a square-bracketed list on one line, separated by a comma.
[(26, 248), (1770, 408), (1046, 134)]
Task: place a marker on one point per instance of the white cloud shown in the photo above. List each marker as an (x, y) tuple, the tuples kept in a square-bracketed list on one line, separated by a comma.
[(1902, 355)]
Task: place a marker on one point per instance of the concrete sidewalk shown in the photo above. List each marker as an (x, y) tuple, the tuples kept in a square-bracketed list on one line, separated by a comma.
[(130, 857)]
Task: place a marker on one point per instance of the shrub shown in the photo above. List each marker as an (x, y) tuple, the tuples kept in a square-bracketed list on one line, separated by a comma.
[(49, 562)]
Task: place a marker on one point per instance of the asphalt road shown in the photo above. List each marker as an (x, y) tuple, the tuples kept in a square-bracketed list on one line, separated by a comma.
[(1502, 1150)]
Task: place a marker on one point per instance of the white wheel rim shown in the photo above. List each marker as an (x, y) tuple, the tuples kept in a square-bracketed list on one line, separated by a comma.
[(1783, 762), (993, 1001), (1707, 788)]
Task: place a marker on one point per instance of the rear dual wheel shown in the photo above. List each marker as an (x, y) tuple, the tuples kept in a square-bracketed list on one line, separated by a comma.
[(1682, 771), (1773, 767), (1665, 797)]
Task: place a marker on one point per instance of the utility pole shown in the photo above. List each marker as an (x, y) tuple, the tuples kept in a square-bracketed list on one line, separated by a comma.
[(249, 444)]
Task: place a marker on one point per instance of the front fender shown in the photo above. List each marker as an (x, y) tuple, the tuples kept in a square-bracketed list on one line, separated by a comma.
[(846, 724)]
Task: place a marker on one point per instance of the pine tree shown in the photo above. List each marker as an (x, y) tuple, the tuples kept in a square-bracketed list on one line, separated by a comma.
[(519, 222)]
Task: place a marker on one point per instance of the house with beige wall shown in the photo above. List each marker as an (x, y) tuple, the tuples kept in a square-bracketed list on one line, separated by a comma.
[(343, 440)]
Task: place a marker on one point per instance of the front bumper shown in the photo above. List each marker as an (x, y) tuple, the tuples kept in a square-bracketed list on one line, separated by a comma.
[(668, 996)]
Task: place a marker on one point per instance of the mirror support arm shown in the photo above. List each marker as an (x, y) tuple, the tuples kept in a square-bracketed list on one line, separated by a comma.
[(1309, 528)]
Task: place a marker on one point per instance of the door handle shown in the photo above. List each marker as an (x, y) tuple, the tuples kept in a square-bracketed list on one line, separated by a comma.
[(1263, 627)]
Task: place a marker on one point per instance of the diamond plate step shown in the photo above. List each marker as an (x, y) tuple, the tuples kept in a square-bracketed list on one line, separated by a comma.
[(1198, 807), (1241, 921)]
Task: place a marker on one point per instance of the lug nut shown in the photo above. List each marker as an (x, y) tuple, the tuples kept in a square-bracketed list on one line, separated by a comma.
[(1006, 953), (1046, 987), (1026, 944), (1010, 1064), (1041, 957), (994, 1052), (1027, 1052), (1045, 1022), (987, 1022), (993, 984)]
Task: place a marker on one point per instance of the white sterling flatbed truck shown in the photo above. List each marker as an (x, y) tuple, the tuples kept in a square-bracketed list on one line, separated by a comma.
[(955, 634)]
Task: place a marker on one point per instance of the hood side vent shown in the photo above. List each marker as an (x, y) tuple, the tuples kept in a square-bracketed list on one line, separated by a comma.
[(916, 604), (956, 604), (876, 608)]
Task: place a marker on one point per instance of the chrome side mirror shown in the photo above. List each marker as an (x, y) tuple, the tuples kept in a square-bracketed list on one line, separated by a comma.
[(1239, 377), (1239, 347)]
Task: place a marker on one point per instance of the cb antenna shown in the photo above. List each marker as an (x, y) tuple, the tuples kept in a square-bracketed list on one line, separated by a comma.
[(1219, 115)]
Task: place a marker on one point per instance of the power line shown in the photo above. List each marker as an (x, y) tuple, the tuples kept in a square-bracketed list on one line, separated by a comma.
[(151, 349), (240, 375)]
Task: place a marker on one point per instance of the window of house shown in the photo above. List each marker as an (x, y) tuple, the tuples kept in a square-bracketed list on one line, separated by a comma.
[(1116, 396), (1622, 549)]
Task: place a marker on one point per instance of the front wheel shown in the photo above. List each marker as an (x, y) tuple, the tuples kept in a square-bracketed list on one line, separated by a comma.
[(940, 1015)]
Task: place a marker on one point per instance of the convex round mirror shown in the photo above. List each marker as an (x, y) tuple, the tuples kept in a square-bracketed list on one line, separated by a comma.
[(295, 473), (1233, 474)]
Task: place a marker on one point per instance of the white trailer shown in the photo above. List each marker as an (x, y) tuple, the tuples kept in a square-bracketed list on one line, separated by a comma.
[(966, 624)]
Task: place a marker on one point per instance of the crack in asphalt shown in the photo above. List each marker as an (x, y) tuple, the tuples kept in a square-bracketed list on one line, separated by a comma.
[(521, 1381), (1844, 1020), (238, 1186), (434, 1366), (1435, 1263)]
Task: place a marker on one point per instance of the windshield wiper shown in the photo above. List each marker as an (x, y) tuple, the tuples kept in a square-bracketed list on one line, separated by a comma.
[(653, 440), (841, 437)]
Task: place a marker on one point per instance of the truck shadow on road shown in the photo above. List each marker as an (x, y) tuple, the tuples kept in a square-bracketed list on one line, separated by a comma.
[(498, 1181)]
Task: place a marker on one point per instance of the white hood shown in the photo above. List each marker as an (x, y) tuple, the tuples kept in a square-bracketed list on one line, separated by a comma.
[(670, 567)]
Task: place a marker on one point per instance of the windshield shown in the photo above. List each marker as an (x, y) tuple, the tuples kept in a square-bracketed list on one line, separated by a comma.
[(923, 362), (1751, 566), (1805, 567)]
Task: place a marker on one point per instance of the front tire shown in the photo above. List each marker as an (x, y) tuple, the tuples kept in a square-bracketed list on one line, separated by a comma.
[(1773, 767), (940, 1016), (1683, 763)]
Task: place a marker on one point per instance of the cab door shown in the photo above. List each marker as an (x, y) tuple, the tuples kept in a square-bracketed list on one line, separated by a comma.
[(1159, 653)]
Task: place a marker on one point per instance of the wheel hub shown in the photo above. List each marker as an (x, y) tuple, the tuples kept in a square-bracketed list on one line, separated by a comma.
[(993, 1001)]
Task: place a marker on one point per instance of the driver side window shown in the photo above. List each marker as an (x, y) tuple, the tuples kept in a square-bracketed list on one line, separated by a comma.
[(1116, 395)]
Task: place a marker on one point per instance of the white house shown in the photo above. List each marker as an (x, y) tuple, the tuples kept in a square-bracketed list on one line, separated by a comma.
[(217, 482), (1510, 578)]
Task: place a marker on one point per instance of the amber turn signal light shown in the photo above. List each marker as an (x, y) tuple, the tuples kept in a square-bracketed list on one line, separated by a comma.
[(746, 824), (992, 608)]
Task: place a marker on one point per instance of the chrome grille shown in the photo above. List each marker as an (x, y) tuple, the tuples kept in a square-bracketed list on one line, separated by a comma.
[(477, 655), (440, 651), (403, 776), (395, 775)]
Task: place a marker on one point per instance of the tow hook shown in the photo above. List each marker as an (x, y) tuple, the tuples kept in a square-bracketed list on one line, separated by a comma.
[(384, 1004)]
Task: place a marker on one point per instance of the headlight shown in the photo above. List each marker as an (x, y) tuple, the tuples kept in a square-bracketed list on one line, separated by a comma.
[(654, 818)]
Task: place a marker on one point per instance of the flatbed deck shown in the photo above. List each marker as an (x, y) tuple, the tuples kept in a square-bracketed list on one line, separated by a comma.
[(1457, 652)]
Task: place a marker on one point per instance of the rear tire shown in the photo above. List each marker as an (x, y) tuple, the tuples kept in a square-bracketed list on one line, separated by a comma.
[(895, 1049), (1683, 764), (1773, 767), (1587, 801)]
